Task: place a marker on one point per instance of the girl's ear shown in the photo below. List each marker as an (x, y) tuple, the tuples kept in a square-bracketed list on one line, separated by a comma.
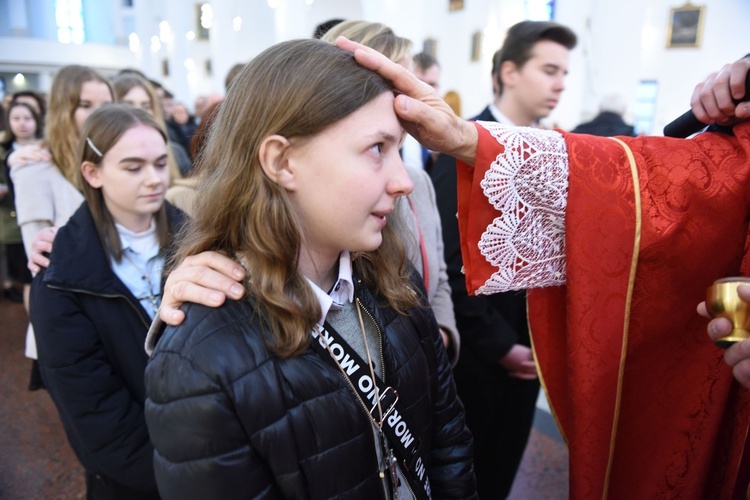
[(92, 174), (272, 155)]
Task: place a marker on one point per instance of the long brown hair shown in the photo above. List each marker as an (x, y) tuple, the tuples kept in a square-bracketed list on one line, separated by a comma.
[(294, 89), (104, 128), (61, 132)]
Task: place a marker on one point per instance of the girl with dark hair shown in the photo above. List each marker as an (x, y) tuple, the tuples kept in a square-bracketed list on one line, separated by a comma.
[(23, 128), (92, 306)]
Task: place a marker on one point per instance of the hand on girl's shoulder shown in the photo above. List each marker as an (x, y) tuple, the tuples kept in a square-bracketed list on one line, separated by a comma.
[(28, 155)]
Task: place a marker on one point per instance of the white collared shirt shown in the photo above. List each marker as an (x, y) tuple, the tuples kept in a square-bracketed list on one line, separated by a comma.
[(342, 291), (499, 116), (140, 255)]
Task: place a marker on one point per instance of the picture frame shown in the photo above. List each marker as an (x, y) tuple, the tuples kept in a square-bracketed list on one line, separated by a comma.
[(686, 26), (476, 46), (454, 5)]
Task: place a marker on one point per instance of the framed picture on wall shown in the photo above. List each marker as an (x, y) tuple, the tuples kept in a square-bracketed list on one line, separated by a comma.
[(476, 46), (455, 5), (686, 26)]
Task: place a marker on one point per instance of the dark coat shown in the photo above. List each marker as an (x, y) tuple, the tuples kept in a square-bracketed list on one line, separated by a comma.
[(606, 124), (229, 419), (489, 325), (90, 333)]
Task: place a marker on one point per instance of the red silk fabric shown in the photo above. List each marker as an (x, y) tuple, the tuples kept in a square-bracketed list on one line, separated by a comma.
[(644, 399)]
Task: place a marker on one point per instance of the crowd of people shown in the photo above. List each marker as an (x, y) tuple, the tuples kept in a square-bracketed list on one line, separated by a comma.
[(275, 298)]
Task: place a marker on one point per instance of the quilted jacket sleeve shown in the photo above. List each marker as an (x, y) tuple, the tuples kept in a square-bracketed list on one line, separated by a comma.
[(202, 448), (451, 469)]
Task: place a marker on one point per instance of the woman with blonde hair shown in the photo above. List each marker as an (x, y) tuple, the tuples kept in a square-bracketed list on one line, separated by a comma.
[(376, 36), (45, 179), (330, 379)]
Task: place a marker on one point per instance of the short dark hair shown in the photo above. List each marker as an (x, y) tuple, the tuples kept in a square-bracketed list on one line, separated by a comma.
[(323, 27), (40, 101), (521, 39), (425, 61)]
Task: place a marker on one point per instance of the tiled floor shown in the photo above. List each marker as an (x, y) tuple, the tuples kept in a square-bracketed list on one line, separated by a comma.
[(36, 461)]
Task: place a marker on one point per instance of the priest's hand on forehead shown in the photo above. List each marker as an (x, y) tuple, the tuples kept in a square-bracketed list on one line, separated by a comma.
[(424, 114)]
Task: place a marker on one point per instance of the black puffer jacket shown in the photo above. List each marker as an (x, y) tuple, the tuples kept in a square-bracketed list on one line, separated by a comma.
[(228, 419), (90, 331)]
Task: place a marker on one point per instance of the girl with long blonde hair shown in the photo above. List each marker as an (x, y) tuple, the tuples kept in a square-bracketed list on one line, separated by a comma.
[(47, 187)]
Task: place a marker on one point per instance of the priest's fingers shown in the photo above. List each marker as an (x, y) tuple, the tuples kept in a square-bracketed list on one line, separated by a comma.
[(403, 79), (738, 357), (741, 372), (731, 83), (436, 127), (424, 114), (708, 96), (719, 327), (742, 112), (701, 309), (207, 278), (738, 78)]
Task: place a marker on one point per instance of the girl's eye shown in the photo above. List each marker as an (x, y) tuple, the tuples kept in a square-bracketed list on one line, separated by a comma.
[(161, 165), (377, 148)]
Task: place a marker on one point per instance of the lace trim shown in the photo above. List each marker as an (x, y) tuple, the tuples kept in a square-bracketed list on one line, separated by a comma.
[(528, 185)]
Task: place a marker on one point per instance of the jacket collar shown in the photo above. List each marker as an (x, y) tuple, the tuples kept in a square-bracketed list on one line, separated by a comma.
[(83, 265)]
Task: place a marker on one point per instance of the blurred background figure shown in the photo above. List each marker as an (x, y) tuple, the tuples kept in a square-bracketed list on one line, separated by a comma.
[(610, 120), (427, 69), (45, 179), (181, 126), (134, 89), (323, 27), (23, 128), (496, 374)]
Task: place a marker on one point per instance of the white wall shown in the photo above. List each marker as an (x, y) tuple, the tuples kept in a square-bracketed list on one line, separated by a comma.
[(620, 43)]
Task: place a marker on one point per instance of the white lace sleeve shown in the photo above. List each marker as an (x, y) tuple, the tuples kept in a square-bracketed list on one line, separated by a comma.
[(528, 185)]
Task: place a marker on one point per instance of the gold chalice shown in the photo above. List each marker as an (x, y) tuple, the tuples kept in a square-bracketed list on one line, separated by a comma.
[(722, 301)]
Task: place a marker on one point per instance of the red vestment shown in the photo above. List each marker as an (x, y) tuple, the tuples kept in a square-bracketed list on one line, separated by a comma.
[(643, 398)]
